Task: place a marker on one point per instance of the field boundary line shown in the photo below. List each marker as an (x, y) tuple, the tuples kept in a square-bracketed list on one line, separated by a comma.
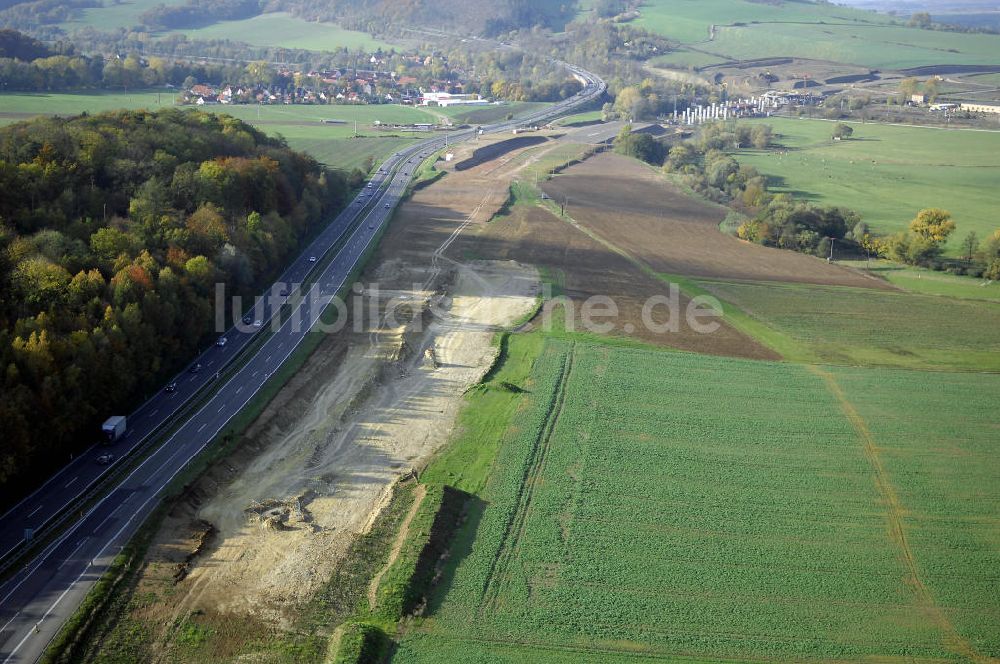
[(498, 573), (894, 514)]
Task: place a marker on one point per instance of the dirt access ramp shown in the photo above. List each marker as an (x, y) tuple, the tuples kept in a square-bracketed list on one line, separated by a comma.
[(256, 536), (625, 202)]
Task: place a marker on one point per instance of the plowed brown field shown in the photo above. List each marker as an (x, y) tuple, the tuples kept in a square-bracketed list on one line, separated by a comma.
[(628, 204)]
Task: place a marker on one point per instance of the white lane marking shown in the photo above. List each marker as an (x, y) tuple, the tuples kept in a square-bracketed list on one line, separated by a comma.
[(71, 481), (202, 427), (70, 556), (108, 517), (221, 408), (33, 511), (239, 389), (4, 628)]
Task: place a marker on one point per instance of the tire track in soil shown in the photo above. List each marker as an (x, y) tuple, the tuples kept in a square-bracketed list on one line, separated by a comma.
[(897, 530), (499, 573)]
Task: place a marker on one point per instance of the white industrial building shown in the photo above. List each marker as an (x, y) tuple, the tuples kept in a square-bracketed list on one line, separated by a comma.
[(981, 108), (448, 99)]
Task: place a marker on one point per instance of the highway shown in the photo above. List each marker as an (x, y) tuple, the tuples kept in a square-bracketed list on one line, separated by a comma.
[(36, 601)]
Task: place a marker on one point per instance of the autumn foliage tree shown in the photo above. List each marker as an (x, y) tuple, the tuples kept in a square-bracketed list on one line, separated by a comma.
[(113, 231), (929, 230), (933, 224)]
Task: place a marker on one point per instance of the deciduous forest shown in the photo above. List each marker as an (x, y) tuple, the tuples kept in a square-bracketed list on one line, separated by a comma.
[(114, 229)]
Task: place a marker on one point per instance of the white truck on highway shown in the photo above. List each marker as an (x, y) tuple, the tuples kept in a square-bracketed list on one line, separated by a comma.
[(114, 428)]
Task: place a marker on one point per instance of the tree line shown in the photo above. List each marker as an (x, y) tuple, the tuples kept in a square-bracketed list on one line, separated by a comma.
[(114, 229)]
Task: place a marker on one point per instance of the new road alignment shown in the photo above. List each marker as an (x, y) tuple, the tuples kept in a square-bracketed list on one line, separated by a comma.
[(36, 602)]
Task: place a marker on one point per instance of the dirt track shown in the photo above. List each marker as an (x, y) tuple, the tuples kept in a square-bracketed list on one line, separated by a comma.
[(628, 204)]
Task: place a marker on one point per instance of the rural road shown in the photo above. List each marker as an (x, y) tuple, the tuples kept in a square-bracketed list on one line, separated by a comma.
[(597, 134), (36, 601)]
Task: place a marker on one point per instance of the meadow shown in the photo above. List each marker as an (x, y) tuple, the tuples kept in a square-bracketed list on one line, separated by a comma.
[(684, 58), (930, 282), (284, 30), (818, 31), (272, 29), (486, 114), (689, 22), (887, 173), (122, 14), (874, 328), (669, 505), (302, 125), (888, 47)]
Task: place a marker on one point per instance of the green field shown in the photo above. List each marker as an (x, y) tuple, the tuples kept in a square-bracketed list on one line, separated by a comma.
[(586, 116), (821, 31), (271, 29), (345, 153), (303, 126), (486, 114), (686, 59), (286, 31), (120, 14), (930, 282), (888, 173), (871, 46), (855, 326), (682, 507), (688, 21)]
